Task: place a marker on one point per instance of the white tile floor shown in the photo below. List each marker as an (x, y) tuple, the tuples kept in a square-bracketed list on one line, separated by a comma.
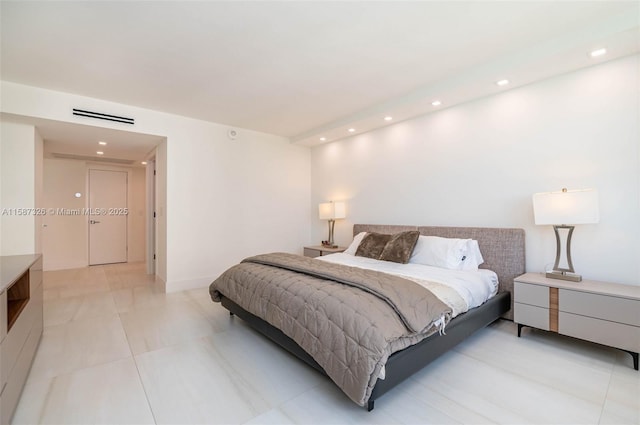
[(116, 349)]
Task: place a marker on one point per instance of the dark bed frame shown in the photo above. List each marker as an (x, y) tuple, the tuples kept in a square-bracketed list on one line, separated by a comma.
[(503, 251)]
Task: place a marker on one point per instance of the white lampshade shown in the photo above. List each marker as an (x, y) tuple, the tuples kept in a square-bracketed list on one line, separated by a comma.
[(566, 207), (332, 210)]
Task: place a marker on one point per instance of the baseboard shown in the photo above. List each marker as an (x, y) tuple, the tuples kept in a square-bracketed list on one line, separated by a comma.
[(62, 265), (185, 285)]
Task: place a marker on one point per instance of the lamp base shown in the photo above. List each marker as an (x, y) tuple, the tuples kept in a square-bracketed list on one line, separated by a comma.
[(564, 276)]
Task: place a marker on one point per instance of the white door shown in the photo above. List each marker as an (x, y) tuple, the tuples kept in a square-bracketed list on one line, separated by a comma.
[(107, 217)]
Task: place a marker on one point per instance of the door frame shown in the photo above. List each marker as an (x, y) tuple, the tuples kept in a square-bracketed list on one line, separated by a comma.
[(151, 220)]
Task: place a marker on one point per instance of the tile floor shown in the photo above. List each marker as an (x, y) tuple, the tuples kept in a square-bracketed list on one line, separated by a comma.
[(116, 349)]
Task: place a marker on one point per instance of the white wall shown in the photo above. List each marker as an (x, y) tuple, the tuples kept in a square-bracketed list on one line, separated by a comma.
[(224, 199), (65, 236), (478, 164), (161, 212), (227, 200), (38, 186), (136, 231), (20, 146)]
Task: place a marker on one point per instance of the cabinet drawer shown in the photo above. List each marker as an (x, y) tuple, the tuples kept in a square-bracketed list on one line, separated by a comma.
[(615, 309), (601, 331), (530, 315), (527, 293), (11, 393), (15, 339)]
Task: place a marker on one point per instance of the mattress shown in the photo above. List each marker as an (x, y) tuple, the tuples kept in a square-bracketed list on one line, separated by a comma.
[(473, 288)]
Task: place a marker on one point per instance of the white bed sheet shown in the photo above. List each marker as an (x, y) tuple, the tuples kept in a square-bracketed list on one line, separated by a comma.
[(474, 287)]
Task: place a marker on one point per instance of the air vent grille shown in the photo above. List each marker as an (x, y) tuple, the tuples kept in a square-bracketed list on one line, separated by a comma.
[(101, 116)]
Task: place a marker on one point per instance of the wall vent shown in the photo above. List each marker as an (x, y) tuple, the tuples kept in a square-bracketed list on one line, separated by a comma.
[(99, 116)]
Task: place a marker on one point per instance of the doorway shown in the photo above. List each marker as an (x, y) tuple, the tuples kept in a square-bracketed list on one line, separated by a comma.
[(107, 217)]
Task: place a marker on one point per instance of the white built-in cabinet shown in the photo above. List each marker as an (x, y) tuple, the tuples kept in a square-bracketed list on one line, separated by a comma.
[(21, 325)]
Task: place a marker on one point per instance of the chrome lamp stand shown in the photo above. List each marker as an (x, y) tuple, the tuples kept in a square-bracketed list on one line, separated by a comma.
[(330, 243), (558, 272)]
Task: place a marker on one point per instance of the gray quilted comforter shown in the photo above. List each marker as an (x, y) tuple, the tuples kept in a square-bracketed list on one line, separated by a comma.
[(350, 320)]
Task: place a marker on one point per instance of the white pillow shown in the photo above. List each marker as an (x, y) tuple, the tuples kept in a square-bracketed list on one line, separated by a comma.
[(355, 243), (473, 258), (446, 253)]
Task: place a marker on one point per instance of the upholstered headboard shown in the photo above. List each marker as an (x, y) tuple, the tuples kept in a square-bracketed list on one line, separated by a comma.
[(502, 249)]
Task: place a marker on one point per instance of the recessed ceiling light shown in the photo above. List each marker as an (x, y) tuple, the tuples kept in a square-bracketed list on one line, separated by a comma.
[(100, 153), (388, 118), (102, 143), (502, 82), (351, 130), (436, 103), (323, 139), (598, 52), (144, 163)]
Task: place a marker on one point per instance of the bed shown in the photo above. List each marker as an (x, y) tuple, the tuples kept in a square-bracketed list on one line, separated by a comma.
[(503, 252)]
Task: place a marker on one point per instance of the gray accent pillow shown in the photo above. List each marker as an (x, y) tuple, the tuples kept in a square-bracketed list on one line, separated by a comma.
[(400, 246), (372, 245)]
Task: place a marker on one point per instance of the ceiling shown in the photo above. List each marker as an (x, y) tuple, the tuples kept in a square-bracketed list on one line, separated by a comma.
[(304, 70), (76, 141)]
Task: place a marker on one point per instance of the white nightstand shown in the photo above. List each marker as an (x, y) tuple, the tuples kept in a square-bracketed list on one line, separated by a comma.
[(606, 313), (319, 250)]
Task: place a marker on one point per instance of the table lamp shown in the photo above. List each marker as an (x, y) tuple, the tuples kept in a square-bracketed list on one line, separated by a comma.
[(564, 209), (331, 211)]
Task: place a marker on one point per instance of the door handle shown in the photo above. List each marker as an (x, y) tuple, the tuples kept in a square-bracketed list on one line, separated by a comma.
[(93, 222)]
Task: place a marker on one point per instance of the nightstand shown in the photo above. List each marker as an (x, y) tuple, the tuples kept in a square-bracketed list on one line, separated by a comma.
[(601, 312), (319, 250)]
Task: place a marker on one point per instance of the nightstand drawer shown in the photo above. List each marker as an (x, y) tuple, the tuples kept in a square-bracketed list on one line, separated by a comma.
[(606, 313), (320, 250), (530, 315), (526, 293), (600, 331), (614, 309), (313, 253)]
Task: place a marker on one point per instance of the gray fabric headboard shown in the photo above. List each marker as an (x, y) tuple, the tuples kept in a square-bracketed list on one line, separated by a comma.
[(502, 249)]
